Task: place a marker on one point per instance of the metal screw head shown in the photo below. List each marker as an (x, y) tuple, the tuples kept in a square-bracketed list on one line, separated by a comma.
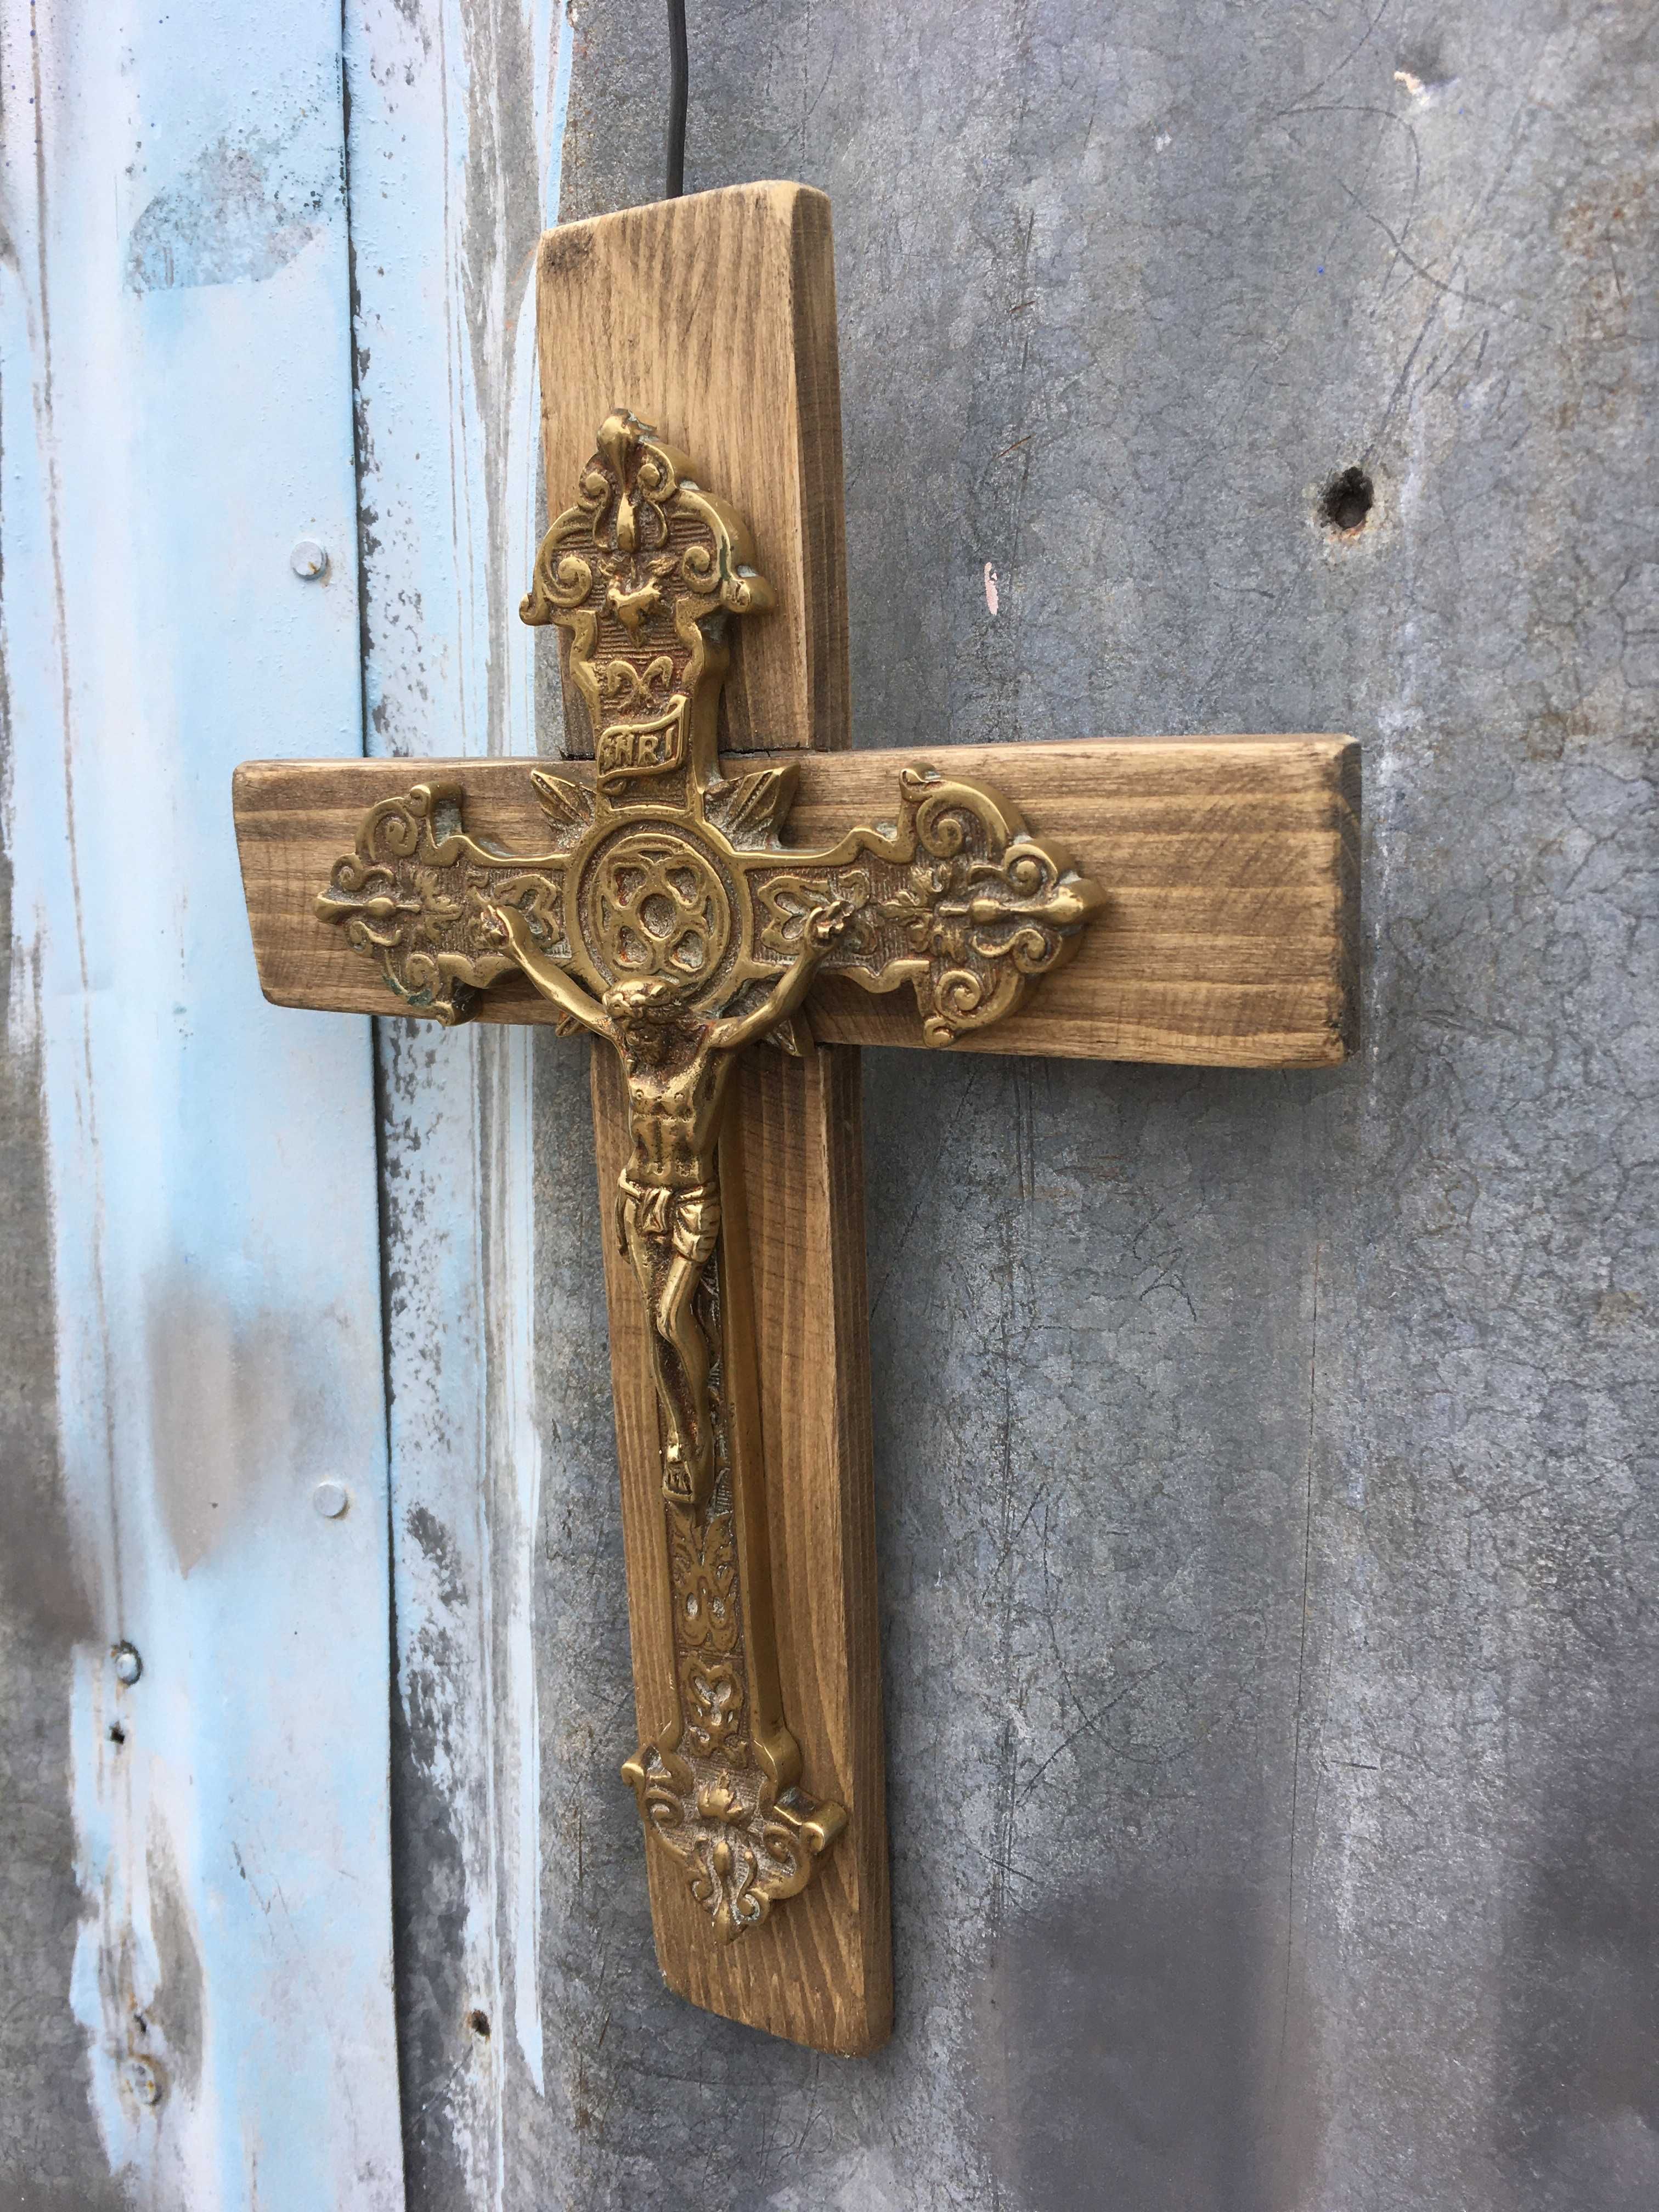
[(143, 2081), (128, 1665), (308, 560), (330, 1500)]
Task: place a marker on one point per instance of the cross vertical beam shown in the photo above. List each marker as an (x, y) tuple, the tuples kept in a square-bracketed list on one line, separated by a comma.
[(818, 1969), (715, 318)]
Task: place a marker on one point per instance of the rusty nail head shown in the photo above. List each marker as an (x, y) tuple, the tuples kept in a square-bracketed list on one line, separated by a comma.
[(128, 1665), (330, 1500), (308, 560)]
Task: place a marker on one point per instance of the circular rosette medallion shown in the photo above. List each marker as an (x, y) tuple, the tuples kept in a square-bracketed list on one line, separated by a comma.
[(658, 907)]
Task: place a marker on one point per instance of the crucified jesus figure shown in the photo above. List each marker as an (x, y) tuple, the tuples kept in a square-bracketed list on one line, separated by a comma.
[(678, 1065)]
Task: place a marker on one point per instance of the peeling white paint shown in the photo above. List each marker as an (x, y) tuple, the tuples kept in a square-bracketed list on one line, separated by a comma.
[(512, 1382), (552, 121), (177, 406), (450, 402), (513, 1303)]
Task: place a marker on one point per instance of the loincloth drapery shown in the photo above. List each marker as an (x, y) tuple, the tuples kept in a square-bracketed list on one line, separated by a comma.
[(687, 1216)]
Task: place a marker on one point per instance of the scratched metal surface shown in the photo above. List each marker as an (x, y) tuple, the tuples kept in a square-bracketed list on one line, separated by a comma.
[(1264, 1462), (195, 1885)]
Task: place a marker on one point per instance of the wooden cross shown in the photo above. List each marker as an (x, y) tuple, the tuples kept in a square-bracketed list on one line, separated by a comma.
[(731, 904)]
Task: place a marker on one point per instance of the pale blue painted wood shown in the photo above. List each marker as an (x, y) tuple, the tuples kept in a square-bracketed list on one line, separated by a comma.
[(458, 116), (174, 320)]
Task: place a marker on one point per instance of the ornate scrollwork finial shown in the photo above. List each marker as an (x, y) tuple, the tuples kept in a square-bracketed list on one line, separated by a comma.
[(641, 571)]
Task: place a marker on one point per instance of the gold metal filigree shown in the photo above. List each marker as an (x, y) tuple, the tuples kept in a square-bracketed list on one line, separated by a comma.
[(719, 1786), (642, 572), (667, 916)]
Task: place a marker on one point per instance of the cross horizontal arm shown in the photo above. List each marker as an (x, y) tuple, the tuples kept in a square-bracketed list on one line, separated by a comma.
[(1229, 935)]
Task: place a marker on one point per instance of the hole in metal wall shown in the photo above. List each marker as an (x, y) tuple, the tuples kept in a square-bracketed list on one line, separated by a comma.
[(1346, 501)]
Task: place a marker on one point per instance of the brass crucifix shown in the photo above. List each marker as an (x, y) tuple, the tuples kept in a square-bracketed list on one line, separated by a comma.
[(665, 914), (655, 898)]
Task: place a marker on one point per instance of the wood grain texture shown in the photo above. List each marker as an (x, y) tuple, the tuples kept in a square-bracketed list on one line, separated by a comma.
[(1231, 868), (819, 1969), (714, 319)]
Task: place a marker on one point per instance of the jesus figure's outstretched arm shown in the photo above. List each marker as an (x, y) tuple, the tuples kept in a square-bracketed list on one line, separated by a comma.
[(823, 925), (549, 979)]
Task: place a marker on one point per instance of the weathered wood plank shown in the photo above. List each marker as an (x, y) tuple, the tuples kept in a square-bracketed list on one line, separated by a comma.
[(819, 1969), (1230, 867), (456, 126), (172, 187), (714, 319)]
